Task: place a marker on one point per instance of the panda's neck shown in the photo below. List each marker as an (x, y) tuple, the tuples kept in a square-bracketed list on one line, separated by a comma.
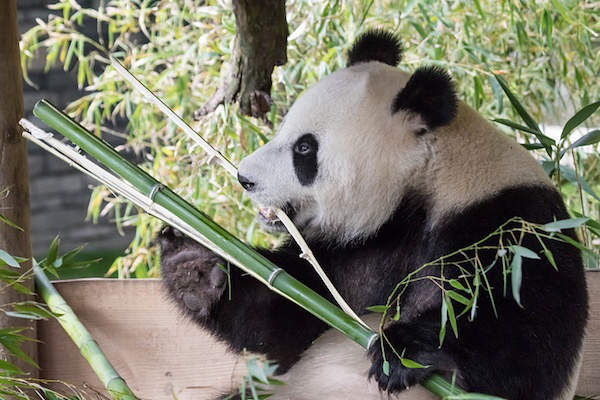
[(472, 160), (383, 258), (408, 222)]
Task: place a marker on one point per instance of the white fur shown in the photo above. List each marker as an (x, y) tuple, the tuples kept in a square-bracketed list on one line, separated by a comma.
[(472, 160), (368, 156)]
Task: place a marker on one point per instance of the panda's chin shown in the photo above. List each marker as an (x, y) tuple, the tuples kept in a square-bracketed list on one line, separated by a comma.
[(268, 219)]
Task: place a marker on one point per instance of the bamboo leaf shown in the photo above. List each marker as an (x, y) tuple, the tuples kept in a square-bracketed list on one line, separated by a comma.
[(459, 298), (515, 125), (377, 309), (35, 309), (558, 6), (592, 137), (571, 223), (528, 119), (386, 367), (550, 258), (9, 368), (16, 286), (479, 9), (444, 320), (547, 27), (570, 174), (53, 251), (579, 118), (16, 314), (533, 146), (255, 371), (8, 222), (411, 364), (516, 277), (523, 252), (452, 316), (457, 285), (12, 344), (8, 259)]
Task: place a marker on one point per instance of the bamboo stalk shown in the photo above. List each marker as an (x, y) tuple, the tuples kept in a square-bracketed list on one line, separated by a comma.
[(200, 227), (115, 385)]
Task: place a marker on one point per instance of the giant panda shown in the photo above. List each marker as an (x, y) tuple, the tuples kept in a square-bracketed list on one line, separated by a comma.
[(382, 171)]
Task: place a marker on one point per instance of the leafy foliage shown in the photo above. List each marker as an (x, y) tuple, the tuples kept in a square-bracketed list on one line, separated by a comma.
[(14, 383), (546, 49)]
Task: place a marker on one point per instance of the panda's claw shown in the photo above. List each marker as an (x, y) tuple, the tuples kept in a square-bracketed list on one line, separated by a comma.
[(399, 377)]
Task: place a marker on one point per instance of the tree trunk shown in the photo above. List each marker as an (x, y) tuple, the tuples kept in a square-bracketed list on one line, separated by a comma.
[(260, 45), (14, 187)]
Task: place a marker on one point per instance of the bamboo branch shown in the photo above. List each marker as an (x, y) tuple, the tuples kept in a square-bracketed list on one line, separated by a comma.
[(115, 385)]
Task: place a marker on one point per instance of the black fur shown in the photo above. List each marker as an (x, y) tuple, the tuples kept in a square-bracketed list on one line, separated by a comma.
[(525, 353), (376, 45), (430, 94), (305, 163)]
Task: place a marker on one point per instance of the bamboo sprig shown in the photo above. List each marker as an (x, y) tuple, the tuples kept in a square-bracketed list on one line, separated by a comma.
[(115, 385), (167, 206), (214, 154)]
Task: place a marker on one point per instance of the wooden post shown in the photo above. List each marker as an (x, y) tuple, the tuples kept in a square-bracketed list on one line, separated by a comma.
[(14, 187)]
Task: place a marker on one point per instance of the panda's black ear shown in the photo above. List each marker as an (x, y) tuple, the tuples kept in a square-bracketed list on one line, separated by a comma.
[(376, 45), (429, 93)]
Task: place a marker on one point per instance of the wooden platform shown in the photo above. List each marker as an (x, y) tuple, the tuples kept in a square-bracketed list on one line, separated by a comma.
[(163, 356)]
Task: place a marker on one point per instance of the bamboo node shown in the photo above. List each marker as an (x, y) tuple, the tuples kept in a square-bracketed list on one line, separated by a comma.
[(372, 340), (155, 189), (273, 275)]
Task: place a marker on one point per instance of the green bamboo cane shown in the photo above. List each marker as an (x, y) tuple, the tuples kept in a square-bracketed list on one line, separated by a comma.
[(115, 385), (237, 251)]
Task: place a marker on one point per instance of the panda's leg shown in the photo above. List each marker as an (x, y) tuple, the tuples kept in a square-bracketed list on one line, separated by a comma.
[(254, 318), (417, 342)]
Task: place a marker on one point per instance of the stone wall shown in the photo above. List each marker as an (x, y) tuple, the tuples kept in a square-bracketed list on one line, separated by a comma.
[(59, 193)]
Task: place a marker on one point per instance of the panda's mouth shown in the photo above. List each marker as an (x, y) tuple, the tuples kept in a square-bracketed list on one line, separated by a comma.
[(267, 217)]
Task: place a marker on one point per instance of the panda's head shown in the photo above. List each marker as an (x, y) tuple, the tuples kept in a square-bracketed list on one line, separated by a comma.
[(352, 144)]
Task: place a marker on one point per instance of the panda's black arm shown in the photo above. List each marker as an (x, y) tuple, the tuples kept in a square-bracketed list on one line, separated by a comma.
[(254, 318), (260, 320)]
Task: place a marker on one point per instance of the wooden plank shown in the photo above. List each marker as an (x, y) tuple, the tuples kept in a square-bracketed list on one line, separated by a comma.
[(156, 350), (160, 353)]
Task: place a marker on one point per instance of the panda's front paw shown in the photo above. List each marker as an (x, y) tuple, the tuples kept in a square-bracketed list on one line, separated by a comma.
[(398, 377), (192, 274)]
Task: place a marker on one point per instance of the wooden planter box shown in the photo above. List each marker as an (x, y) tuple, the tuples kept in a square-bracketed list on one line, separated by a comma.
[(162, 355)]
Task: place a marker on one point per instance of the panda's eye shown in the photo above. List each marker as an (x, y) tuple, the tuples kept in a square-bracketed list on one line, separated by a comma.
[(303, 148)]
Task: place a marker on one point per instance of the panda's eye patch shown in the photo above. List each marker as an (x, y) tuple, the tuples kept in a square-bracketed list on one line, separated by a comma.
[(305, 158)]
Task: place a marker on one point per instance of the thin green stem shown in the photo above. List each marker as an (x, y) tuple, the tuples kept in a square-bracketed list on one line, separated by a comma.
[(115, 385)]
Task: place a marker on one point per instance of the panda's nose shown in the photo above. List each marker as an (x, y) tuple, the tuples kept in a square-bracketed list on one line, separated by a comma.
[(246, 183)]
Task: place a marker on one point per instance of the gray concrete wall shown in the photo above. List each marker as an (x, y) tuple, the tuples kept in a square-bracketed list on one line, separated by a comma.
[(59, 194)]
